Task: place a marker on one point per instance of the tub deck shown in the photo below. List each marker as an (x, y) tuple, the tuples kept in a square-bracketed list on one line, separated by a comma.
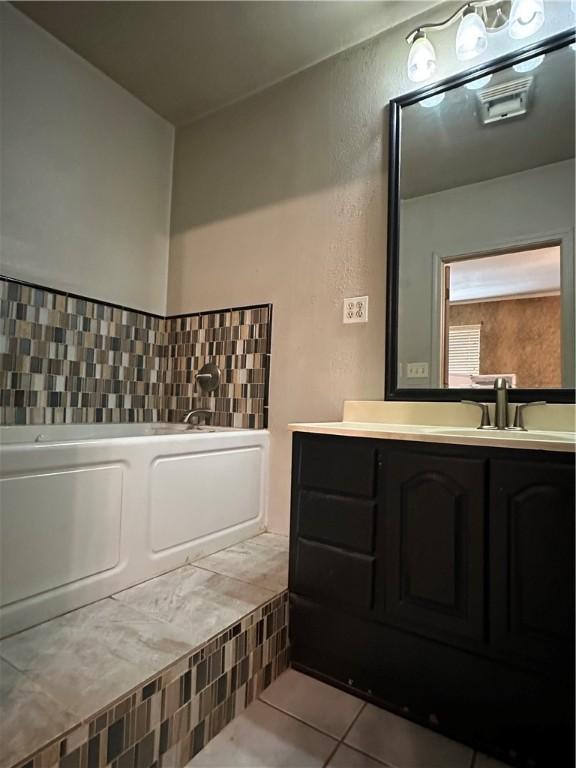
[(151, 673)]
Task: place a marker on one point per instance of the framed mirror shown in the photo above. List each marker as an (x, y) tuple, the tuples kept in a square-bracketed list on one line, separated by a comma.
[(481, 278)]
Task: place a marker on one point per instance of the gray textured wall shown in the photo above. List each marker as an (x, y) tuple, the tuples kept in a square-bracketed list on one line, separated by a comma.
[(86, 175), (282, 198)]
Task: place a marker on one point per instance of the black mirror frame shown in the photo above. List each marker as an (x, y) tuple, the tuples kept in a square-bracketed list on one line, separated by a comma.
[(392, 391)]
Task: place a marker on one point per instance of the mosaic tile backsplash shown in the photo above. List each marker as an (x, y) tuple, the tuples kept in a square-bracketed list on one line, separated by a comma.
[(68, 360), (168, 720), (239, 343)]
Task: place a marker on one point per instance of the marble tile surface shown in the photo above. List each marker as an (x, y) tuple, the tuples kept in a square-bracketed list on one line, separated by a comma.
[(262, 737), (275, 540), (399, 742), (199, 602), (250, 562), (22, 702), (91, 656), (322, 706)]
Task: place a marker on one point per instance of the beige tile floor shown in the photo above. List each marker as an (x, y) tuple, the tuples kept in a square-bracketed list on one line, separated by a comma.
[(63, 671), (299, 722)]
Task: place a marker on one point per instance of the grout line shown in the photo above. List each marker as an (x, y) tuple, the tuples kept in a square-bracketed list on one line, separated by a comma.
[(116, 597), (346, 732), (277, 590), (366, 754), (338, 742), (295, 717), (331, 755), (59, 616), (271, 596)]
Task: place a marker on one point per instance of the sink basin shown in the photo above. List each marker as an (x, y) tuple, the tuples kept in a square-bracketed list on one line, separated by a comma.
[(495, 434)]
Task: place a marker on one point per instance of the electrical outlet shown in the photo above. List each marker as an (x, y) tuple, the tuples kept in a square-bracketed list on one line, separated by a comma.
[(416, 370), (356, 310)]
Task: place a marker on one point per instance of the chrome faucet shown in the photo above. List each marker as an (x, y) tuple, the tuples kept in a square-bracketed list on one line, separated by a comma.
[(501, 411), (196, 413), (485, 418), (518, 425)]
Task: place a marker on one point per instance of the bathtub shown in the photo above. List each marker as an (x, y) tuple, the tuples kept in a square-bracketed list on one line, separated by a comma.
[(88, 510)]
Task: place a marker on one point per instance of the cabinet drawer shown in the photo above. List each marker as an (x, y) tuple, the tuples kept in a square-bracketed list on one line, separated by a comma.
[(338, 465), (337, 520), (332, 576)]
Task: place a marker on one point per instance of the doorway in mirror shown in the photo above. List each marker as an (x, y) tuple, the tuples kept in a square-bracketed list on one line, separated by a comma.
[(502, 317)]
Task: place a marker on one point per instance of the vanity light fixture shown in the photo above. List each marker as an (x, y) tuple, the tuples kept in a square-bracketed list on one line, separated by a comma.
[(421, 59), (480, 82), (433, 101), (478, 18), (529, 65), (526, 18), (471, 37)]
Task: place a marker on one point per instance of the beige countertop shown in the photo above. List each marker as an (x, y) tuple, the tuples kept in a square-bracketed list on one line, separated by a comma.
[(540, 440)]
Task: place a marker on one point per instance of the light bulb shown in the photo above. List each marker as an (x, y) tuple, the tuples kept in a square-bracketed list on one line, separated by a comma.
[(471, 38), (526, 18), (475, 85), (529, 65), (433, 101), (421, 59)]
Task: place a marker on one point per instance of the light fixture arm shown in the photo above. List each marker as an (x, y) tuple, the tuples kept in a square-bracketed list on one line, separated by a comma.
[(473, 5)]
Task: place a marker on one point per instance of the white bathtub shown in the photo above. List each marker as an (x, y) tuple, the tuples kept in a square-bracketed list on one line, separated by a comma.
[(87, 510)]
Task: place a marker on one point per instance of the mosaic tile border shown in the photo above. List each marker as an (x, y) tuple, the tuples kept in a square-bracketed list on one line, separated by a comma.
[(70, 359), (168, 719)]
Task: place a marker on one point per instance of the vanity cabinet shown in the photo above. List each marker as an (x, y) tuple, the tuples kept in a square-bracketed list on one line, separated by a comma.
[(438, 581), (431, 544)]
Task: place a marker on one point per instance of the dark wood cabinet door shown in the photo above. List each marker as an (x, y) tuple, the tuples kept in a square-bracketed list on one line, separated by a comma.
[(431, 538), (532, 560)]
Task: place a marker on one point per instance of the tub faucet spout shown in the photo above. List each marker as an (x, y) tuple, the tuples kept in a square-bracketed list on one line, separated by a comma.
[(195, 414)]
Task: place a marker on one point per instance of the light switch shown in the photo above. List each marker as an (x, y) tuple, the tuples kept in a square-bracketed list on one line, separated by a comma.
[(417, 370)]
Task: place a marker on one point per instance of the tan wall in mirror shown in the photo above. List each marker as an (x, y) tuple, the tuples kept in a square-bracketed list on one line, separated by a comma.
[(520, 336)]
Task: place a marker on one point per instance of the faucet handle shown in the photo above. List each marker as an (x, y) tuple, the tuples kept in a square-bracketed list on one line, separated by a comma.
[(485, 418), (519, 414)]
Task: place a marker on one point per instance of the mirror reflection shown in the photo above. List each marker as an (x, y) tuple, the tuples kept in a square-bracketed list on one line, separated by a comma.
[(486, 239)]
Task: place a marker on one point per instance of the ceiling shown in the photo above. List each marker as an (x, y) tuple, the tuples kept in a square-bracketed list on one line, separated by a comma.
[(186, 59), (508, 274), (447, 146)]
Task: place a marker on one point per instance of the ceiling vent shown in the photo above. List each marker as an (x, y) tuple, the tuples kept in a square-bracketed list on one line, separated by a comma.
[(504, 101)]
